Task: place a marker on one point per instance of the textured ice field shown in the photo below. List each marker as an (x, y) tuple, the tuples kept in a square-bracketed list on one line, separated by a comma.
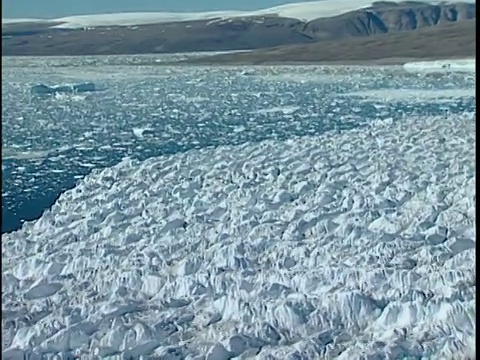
[(336, 246), (332, 226)]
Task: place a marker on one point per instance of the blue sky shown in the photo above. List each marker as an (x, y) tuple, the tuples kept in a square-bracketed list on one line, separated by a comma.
[(57, 8)]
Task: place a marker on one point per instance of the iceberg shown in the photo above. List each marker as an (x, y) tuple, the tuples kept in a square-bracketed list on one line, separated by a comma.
[(42, 89), (460, 65)]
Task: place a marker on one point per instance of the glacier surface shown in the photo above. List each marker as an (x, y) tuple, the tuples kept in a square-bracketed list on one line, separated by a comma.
[(337, 246)]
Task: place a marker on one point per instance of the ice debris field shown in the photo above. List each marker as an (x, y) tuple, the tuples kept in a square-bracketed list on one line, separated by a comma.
[(348, 243)]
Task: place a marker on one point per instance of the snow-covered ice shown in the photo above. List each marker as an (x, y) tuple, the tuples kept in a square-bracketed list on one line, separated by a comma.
[(341, 246)]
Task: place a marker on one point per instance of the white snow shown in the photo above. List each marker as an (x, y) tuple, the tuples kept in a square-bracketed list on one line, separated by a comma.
[(305, 11), (141, 18), (460, 65), (350, 244)]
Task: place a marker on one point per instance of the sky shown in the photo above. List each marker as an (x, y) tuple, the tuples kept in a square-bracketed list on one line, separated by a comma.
[(58, 8)]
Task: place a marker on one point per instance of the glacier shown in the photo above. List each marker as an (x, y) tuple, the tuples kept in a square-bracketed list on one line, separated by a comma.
[(339, 246)]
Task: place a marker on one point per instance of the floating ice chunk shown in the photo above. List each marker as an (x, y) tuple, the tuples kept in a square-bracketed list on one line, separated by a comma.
[(286, 110), (69, 97), (247, 72), (42, 89), (138, 132)]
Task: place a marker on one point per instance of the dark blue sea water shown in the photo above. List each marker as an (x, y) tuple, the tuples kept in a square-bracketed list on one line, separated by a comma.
[(49, 143)]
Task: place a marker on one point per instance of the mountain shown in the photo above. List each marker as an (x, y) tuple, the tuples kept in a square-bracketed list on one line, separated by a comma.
[(308, 25), (388, 17), (448, 40)]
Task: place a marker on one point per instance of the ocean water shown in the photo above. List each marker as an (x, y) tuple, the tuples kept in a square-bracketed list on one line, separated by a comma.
[(146, 110), (217, 213)]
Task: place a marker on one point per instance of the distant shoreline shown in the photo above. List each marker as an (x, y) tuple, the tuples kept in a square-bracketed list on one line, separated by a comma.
[(363, 63), (199, 61)]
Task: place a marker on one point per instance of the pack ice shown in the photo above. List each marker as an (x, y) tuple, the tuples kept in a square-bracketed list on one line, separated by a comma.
[(350, 245)]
